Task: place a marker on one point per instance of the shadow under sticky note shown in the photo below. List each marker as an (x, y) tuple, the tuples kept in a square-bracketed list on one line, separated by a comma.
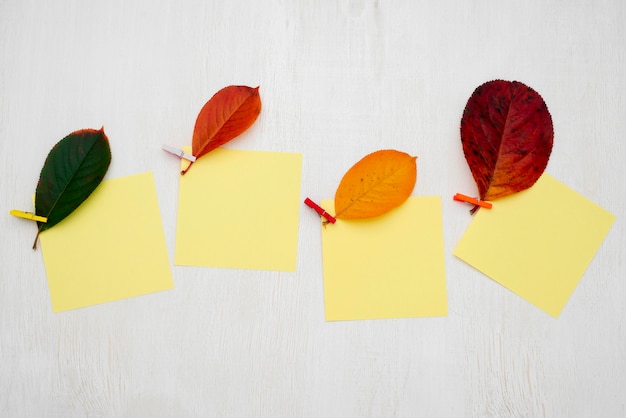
[(391, 266), (240, 209), (537, 243), (112, 247)]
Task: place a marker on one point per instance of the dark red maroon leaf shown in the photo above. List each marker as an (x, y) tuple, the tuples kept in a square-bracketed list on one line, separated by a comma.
[(507, 134)]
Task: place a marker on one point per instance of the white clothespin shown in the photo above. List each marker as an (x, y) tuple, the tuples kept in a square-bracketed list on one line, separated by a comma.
[(179, 153)]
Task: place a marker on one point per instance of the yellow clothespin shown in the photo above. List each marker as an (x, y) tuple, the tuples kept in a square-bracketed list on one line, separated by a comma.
[(178, 153), (28, 215)]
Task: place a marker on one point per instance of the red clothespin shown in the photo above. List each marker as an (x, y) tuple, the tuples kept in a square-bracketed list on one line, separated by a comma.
[(320, 211), (462, 198)]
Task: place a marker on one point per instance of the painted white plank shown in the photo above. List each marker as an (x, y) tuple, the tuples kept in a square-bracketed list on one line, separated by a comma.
[(338, 80)]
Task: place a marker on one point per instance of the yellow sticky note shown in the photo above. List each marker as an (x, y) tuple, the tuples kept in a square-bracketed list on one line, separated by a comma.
[(537, 243), (240, 209), (112, 247), (390, 266)]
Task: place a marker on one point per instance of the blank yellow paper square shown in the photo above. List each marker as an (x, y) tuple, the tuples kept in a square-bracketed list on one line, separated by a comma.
[(537, 243), (112, 247), (240, 209), (391, 266)]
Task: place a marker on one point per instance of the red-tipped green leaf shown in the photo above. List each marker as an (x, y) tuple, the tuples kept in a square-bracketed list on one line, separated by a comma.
[(507, 134), (73, 169), (225, 116)]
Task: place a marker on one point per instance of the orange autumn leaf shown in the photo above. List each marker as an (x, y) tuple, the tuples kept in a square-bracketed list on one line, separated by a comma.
[(376, 184), (225, 116)]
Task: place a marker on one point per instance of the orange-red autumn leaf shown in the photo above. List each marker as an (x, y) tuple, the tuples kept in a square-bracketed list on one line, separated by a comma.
[(225, 116), (376, 184), (507, 134)]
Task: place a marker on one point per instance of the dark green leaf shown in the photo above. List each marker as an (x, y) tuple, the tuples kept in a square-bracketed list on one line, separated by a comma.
[(73, 169)]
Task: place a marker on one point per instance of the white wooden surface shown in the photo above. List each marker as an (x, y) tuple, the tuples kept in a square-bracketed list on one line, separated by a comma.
[(338, 79)]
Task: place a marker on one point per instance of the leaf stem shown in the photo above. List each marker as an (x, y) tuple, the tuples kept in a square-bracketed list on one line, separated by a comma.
[(36, 238), (187, 168)]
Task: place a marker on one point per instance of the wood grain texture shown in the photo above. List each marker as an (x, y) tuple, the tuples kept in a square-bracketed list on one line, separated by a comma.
[(339, 80)]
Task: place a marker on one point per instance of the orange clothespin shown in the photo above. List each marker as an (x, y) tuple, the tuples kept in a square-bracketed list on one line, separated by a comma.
[(462, 198)]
